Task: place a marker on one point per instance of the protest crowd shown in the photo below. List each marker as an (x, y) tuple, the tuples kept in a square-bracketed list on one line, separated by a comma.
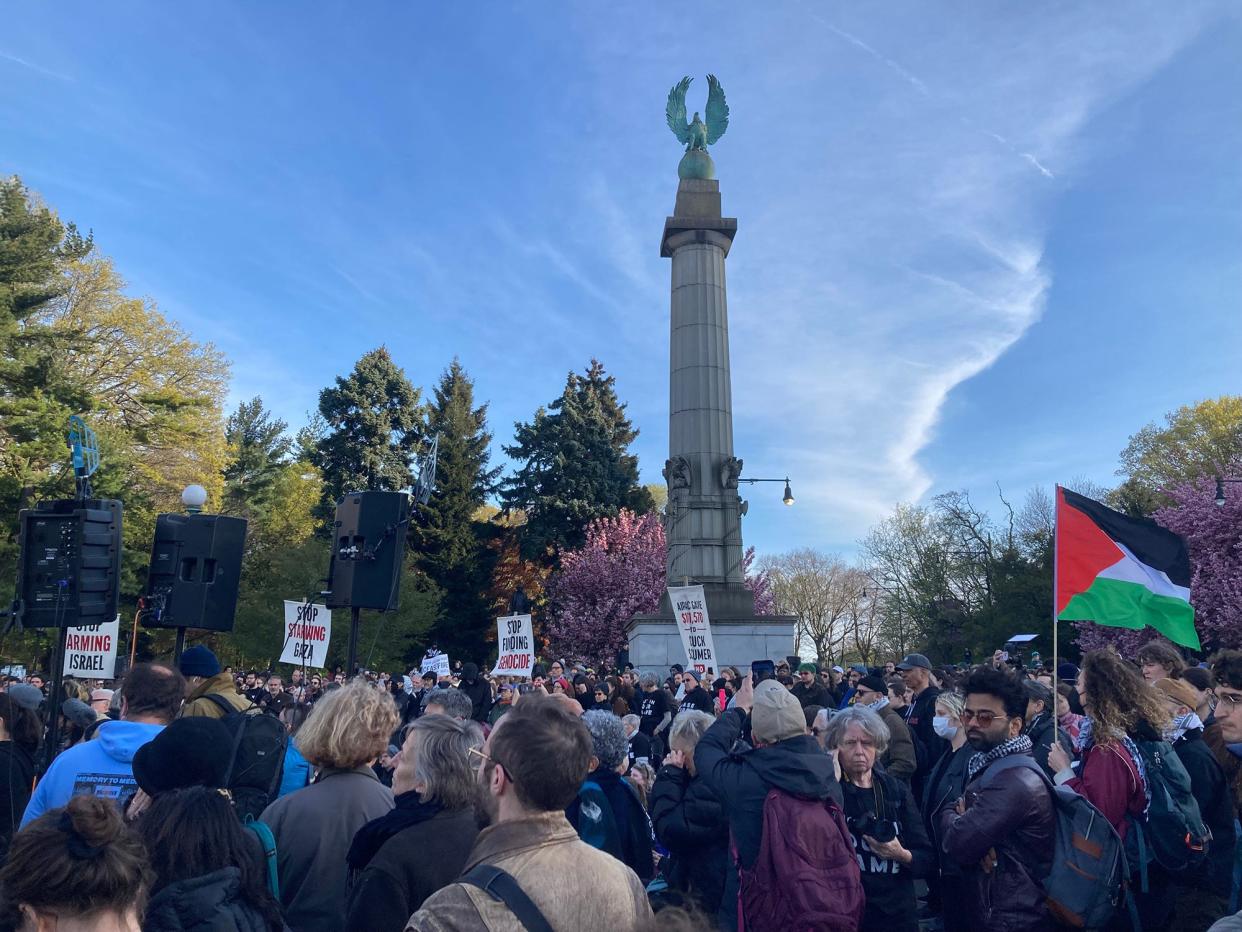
[(890, 798)]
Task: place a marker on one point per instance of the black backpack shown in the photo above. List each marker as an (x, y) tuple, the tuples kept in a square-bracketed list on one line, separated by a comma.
[(256, 758), (1173, 833)]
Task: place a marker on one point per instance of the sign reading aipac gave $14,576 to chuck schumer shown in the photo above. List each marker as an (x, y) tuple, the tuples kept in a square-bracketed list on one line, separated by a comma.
[(690, 610), (515, 636), (308, 630)]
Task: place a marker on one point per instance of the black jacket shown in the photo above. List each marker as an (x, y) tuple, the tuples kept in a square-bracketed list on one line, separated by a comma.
[(211, 903), (690, 822), (16, 778), (1043, 731), (630, 838), (425, 853), (479, 692), (891, 905), (943, 787), (741, 777), (919, 716), (813, 694), (1211, 791)]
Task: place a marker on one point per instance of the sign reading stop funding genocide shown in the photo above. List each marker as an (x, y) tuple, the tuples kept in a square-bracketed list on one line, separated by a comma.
[(515, 637), (91, 651), (308, 629), (690, 610)]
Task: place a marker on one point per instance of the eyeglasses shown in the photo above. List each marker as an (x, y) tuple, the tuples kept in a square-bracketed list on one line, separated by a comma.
[(477, 753), (984, 718), (1231, 699)]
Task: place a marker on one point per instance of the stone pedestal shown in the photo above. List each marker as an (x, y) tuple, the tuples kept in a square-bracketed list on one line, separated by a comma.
[(704, 512)]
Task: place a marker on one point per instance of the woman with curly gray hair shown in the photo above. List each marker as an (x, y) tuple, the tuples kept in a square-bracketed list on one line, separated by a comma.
[(608, 813), (888, 835)]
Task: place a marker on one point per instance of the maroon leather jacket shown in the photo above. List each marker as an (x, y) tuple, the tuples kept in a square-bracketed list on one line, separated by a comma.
[(1009, 809)]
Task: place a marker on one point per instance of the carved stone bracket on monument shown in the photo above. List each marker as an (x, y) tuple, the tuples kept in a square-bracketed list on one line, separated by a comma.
[(677, 474), (730, 470)]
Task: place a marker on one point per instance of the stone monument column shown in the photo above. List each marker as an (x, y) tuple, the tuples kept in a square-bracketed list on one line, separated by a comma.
[(703, 518), (704, 514)]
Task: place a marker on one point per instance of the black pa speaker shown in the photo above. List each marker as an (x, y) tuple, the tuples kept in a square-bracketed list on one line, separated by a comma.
[(196, 563), (367, 547), (69, 563)]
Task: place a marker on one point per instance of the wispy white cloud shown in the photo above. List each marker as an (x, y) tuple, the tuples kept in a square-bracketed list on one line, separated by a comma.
[(38, 69)]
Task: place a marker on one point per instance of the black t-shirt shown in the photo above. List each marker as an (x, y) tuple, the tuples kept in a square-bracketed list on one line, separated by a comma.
[(652, 708), (887, 885), (697, 699)]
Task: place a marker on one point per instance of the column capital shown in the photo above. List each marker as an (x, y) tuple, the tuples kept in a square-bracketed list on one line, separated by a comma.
[(676, 234)]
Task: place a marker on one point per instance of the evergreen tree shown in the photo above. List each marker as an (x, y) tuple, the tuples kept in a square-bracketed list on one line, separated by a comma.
[(575, 465), (373, 423), (260, 448), (449, 543)]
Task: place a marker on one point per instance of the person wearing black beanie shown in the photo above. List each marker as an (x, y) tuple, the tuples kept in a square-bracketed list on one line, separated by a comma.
[(189, 752)]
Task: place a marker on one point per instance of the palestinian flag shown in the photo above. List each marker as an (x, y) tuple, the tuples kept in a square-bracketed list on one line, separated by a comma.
[(1121, 572)]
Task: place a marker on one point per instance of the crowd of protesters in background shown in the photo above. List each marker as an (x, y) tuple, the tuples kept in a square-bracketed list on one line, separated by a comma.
[(894, 796)]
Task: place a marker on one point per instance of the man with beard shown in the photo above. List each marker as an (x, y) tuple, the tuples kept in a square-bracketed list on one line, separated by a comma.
[(528, 867), (1002, 829)]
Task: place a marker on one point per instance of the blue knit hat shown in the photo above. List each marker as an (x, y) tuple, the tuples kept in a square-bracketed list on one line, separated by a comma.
[(199, 661)]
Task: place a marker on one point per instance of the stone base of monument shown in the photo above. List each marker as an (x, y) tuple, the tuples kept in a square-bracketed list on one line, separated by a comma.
[(738, 634)]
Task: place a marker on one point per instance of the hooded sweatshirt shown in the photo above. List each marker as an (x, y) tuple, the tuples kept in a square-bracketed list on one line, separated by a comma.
[(479, 692), (102, 767)]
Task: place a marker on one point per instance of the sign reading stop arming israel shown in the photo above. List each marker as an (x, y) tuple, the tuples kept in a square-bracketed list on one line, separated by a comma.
[(515, 636), (91, 651), (690, 610), (308, 630)]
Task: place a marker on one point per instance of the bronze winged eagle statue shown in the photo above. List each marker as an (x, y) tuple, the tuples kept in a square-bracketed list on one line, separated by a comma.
[(697, 134)]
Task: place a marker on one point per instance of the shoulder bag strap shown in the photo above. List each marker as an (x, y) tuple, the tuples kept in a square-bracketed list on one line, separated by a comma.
[(504, 889), (268, 843)]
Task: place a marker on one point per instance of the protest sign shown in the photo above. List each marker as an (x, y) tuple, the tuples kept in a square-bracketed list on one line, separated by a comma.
[(690, 610), (308, 629), (436, 663), (91, 651), (515, 636)]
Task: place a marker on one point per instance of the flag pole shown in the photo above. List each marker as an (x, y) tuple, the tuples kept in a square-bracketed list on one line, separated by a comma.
[(1056, 527)]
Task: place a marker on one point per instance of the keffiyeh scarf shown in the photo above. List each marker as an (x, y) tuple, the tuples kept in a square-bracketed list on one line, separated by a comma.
[(1183, 724), (980, 759), (878, 704)]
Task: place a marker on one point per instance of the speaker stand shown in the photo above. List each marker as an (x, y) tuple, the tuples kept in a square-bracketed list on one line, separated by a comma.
[(179, 647), (54, 699), (355, 614)]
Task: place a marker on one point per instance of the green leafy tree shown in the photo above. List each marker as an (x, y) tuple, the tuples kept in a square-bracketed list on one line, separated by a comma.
[(373, 423), (1196, 441), (574, 465), (449, 542)]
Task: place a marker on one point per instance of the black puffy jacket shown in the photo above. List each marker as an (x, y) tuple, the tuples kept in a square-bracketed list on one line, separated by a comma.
[(690, 821), (211, 903)]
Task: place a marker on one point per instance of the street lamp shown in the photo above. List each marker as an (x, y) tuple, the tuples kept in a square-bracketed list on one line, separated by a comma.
[(787, 498), (1220, 489), (194, 498)]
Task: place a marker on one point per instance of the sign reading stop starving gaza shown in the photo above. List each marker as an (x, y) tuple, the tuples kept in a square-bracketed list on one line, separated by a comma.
[(91, 651), (690, 609), (515, 635), (308, 630)]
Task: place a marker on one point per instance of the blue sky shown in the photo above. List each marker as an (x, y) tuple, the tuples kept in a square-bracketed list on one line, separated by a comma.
[(977, 243)]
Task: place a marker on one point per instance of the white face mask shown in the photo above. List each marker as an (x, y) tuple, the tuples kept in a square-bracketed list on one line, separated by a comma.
[(940, 724)]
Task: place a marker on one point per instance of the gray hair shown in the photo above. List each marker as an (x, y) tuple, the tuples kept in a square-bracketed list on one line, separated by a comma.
[(632, 720), (608, 740), (454, 702), (1038, 692), (687, 728), (869, 721), (649, 679), (441, 747)]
